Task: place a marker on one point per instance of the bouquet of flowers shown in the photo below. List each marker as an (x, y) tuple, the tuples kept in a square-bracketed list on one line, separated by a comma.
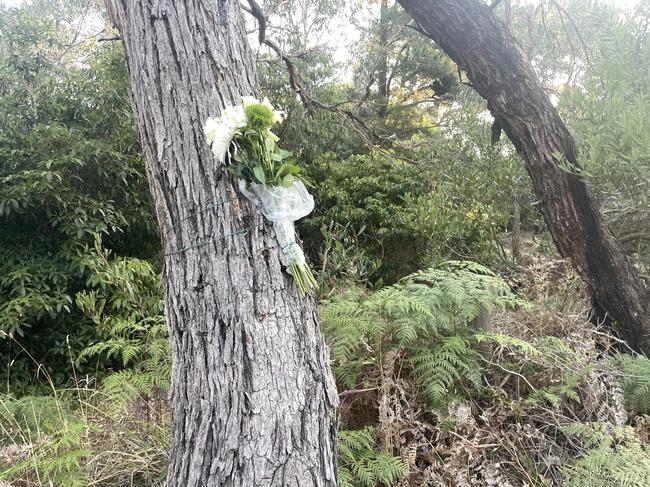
[(267, 175)]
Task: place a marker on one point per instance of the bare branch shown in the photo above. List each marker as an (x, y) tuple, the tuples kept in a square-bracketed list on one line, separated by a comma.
[(634, 237), (357, 391), (256, 12), (564, 13), (416, 27), (107, 39), (296, 83)]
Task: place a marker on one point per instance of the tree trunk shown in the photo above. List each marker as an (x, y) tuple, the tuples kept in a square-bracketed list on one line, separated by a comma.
[(498, 70), (382, 67), (254, 402), (515, 242)]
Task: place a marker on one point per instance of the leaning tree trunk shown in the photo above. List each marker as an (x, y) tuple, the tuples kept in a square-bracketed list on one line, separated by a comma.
[(498, 70), (253, 399)]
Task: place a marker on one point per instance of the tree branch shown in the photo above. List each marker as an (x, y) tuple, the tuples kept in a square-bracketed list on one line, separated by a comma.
[(256, 12), (633, 237), (296, 83), (107, 39)]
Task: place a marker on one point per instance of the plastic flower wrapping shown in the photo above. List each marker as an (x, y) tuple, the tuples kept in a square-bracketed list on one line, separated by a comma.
[(267, 175)]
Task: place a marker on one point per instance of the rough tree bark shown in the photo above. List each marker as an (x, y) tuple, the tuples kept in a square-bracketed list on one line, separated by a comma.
[(254, 402), (499, 71)]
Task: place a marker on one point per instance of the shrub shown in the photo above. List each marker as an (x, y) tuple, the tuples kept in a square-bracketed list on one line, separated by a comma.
[(361, 465), (635, 380), (424, 318), (613, 458)]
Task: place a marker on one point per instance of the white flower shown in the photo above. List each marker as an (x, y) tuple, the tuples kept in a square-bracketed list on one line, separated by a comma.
[(278, 115), (210, 129), (234, 116), (248, 100), (222, 140), (219, 132)]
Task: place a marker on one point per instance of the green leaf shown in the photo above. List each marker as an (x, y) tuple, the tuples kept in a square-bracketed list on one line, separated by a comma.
[(258, 171), (288, 180)]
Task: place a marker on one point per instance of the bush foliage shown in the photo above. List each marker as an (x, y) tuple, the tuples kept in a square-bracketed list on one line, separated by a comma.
[(459, 359)]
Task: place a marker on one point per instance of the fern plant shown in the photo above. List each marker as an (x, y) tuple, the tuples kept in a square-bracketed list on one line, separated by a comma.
[(361, 465), (50, 436), (127, 309), (613, 458), (425, 317), (440, 366), (635, 381)]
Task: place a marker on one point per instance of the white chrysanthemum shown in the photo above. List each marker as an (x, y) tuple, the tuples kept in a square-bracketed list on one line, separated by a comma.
[(210, 129), (219, 132), (248, 100), (278, 116), (234, 116), (222, 140)]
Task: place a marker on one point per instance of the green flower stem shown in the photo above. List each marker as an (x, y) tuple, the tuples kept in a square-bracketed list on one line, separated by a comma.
[(303, 277)]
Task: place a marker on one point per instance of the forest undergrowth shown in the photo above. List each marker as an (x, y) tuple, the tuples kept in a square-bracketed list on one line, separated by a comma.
[(540, 397), (449, 372)]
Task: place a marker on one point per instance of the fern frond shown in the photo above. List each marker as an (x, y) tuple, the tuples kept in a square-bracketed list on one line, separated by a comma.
[(508, 341), (361, 465), (613, 458), (450, 363), (635, 381), (420, 317)]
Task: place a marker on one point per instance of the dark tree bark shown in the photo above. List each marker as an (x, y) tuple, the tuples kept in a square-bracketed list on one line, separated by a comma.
[(254, 402), (499, 71), (515, 242)]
